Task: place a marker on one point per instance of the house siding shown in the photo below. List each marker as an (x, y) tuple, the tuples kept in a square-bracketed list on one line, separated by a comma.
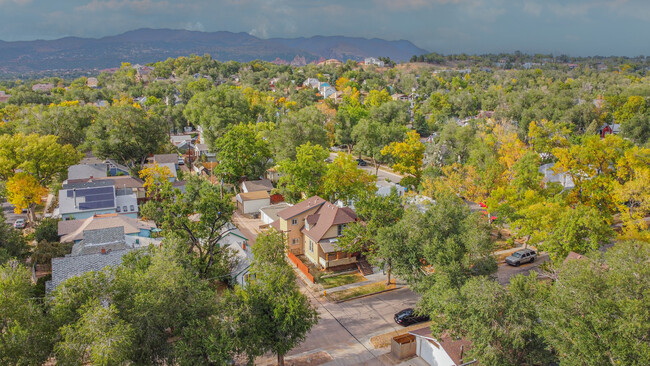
[(294, 231)]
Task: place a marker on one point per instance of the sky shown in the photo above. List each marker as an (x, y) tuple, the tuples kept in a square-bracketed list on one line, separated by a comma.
[(573, 27)]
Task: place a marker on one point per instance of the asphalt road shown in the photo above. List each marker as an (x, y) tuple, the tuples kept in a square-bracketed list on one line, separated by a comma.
[(344, 330), (10, 216), (505, 271)]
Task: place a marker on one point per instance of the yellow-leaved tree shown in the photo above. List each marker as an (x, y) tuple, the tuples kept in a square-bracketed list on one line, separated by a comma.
[(408, 155), (25, 192)]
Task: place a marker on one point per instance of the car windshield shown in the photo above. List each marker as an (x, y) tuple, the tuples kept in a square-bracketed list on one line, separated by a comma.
[(516, 255)]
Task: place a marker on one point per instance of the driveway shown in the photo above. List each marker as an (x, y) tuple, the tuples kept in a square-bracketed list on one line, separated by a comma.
[(249, 227), (11, 217), (344, 330), (505, 271)]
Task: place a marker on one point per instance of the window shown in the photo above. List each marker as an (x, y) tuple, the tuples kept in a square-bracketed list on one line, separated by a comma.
[(311, 246), (124, 209), (295, 241), (294, 222), (118, 209), (340, 230), (132, 208)]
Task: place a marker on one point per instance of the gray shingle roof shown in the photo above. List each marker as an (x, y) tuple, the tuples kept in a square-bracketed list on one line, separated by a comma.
[(70, 266)]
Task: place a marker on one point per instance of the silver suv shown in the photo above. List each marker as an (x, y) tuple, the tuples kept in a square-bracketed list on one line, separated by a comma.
[(521, 256)]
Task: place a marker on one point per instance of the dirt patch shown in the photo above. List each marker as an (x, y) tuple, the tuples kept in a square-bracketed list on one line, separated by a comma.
[(384, 340)]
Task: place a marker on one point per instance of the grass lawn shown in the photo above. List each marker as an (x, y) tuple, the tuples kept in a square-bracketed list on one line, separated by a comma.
[(358, 291), (340, 280)]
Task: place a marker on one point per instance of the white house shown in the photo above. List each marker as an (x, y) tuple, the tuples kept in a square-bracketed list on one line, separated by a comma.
[(551, 177), (257, 186), (443, 352), (373, 61), (268, 214), (237, 242), (251, 202)]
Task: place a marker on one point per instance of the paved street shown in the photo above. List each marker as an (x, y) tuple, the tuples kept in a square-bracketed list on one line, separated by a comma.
[(505, 271), (345, 329), (11, 217)]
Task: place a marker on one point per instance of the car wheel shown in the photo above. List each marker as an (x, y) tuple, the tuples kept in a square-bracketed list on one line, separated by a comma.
[(532, 259), (517, 264)]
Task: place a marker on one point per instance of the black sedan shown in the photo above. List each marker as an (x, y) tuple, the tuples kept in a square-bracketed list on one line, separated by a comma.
[(408, 317), (361, 162)]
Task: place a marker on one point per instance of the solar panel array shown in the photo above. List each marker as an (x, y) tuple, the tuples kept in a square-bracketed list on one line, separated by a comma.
[(95, 198)]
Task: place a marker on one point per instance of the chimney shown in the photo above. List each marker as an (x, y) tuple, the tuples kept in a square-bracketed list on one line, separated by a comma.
[(103, 250), (74, 197), (243, 245)]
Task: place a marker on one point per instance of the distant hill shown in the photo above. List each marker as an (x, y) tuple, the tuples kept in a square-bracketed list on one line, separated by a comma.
[(150, 45)]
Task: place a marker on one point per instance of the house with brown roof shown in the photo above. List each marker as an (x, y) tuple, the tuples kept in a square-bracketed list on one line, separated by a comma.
[(312, 228)]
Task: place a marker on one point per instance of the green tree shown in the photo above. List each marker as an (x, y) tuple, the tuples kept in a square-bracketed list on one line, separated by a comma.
[(275, 316), (26, 334), (444, 242), (99, 337), (502, 323), (371, 136), (198, 219), (241, 153), (304, 126), (304, 174), (48, 230), (344, 180), (597, 312), (580, 229), (12, 242), (375, 212), (216, 109), (127, 134), (67, 121)]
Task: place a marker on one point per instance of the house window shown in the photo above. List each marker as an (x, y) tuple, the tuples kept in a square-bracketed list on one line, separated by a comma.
[(294, 222), (249, 277), (295, 241), (124, 208), (340, 230), (311, 246), (117, 209), (132, 208)]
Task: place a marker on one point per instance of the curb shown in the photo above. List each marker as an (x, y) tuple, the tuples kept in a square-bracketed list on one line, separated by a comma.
[(366, 295)]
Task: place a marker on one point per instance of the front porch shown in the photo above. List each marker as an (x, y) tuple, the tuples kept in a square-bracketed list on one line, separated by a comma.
[(336, 259)]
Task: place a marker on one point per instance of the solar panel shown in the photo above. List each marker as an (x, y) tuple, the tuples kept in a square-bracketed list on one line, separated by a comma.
[(99, 197), (93, 191), (97, 205)]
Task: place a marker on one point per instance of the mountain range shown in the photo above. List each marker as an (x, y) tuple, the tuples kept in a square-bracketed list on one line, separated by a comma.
[(150, 45)]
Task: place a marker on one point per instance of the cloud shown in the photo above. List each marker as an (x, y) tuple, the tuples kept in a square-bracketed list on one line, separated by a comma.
[(114, 5), (196, 26), (17, 2), (533, 8)]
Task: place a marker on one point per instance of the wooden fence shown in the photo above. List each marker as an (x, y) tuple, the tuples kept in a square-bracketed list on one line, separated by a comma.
[(301, 266)]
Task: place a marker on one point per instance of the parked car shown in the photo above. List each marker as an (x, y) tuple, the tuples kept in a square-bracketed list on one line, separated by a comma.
[(521, 256), (408, 317), (180, 160), (361, 162), (19, 224)]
